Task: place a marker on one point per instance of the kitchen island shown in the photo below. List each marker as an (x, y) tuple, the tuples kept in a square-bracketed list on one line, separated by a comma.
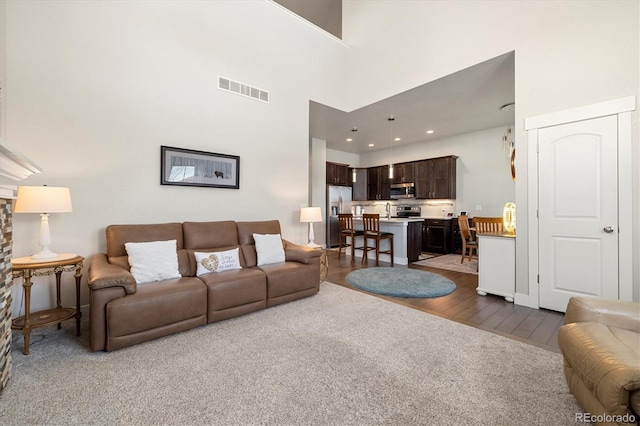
[(407, 239)]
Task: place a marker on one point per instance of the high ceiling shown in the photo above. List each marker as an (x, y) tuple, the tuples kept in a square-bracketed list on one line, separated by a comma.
[(463, 102)]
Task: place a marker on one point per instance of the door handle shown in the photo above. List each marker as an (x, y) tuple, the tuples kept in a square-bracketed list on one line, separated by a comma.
[(608, 229)]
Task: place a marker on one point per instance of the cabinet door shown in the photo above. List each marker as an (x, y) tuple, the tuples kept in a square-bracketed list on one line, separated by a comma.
[(384, 183), (331, 174), (408, 172), (403, 173), (337, 174), (342, 174), (443, 182), (372, 183), (414, 240), (360, 186), (423, 179), (437, 236)]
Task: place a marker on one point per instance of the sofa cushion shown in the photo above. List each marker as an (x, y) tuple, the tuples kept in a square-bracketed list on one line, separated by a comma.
[(210, 235), (231, 289), (218, 261), (156, 305), (118, 235), (153, 261), (269, 248), (290, 277), (605, 359)]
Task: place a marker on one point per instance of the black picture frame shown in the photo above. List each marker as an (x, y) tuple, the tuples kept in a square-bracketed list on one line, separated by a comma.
[(188, 167)]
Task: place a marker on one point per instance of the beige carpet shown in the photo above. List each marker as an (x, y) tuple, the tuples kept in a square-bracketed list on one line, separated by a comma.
[(341, 357), (451, 262)]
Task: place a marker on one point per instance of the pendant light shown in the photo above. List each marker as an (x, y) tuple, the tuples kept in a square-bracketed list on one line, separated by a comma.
[(354, 172), (391, 120)]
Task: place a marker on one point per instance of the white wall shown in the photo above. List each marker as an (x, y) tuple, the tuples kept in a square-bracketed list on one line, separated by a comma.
[(567, 54), (94, 88)]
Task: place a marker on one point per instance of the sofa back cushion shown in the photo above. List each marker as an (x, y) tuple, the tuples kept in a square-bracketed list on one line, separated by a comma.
[(245, 237), (118, 235), (199, 236)]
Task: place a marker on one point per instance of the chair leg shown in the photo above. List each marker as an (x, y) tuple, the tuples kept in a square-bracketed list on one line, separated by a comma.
[(365, 250), (353, 247), (391, 242), (377, 252)]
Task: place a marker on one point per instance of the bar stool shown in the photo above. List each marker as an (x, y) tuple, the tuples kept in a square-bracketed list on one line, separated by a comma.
[(347, 230), (371, 224)]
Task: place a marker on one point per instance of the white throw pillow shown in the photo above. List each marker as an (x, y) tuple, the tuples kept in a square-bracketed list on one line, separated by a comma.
[(269, 248), (217, 261), (153, 261)]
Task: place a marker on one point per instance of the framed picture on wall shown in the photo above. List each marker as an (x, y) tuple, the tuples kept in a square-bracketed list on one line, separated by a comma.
[(187, 167)]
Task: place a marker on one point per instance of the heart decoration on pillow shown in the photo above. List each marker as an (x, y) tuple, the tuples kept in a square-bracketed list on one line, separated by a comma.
[(210, 263), (218, 261)]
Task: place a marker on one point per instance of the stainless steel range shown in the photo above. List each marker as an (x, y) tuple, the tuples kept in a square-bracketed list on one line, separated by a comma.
[(407, 210)]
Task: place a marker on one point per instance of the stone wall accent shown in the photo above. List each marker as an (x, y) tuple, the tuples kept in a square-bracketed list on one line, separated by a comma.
[(6, 280)]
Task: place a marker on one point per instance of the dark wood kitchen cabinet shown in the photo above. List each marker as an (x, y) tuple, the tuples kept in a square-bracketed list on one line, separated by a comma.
[(403, 172), (337, 174), (436, 178), (378, 183), (436, 236), (414, 241), (359, 187)]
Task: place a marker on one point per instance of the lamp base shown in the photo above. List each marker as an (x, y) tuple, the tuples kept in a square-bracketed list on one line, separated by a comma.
[(312, 244), (44, 254)]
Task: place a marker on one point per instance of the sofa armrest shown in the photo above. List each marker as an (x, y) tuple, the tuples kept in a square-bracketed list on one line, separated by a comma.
[(614, 313), (298, 253), (103, 274)]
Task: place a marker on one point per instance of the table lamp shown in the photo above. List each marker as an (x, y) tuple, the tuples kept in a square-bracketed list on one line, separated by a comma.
[(311, 215), (43, 200), (509, 218)]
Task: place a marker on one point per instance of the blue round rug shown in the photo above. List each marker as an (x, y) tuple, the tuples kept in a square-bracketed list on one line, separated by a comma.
[(400, 282)]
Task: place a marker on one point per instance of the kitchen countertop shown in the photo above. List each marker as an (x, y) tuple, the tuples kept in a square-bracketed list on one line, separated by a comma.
[(406, 219)]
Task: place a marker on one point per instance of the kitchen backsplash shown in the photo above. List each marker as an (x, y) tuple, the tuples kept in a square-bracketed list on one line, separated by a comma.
[(439, 208)]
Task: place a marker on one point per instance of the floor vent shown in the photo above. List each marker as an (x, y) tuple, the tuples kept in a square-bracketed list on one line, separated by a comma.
[(242, 89)]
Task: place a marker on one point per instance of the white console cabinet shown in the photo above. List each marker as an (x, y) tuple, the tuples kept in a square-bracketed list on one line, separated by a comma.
[(497, 265)]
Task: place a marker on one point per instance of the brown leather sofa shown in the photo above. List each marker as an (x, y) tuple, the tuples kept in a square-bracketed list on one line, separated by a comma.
[(600, 343), (124, 314)]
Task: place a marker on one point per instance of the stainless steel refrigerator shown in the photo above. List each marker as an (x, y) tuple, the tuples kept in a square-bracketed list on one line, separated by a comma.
[(338, 201)]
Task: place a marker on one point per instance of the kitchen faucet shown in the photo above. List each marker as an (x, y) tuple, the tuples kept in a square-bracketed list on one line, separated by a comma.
[(388, 209)]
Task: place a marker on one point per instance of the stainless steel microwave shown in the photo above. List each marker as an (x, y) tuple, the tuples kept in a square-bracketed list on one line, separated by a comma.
[(402, 190)]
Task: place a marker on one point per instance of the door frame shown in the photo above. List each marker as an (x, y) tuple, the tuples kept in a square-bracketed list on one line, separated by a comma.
[(622, 108)]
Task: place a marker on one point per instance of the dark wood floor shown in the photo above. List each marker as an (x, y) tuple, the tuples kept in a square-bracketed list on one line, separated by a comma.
[(490, 313)]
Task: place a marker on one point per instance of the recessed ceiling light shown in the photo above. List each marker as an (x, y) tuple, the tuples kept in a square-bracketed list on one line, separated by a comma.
[(397, 139), (349, 140), (372, 144), (429, 132)]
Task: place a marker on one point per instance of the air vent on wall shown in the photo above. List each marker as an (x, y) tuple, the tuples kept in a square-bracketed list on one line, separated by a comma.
[(242, 89)]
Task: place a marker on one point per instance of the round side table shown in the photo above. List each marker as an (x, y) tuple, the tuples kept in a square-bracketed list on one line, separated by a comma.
[(25, 268)]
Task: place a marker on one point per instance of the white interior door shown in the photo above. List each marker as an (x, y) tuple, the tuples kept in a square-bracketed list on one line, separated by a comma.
[(578, 211)]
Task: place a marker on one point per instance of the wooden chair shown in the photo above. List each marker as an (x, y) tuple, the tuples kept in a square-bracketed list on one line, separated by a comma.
[(371, 225), (487, 224), (469, 245), (346, 229)]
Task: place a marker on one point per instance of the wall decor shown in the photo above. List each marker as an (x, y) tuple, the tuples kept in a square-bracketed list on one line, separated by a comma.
[(187, 167)]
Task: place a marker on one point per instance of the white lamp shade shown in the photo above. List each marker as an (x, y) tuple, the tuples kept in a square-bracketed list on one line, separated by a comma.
[(310, 214), (43, 199)]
